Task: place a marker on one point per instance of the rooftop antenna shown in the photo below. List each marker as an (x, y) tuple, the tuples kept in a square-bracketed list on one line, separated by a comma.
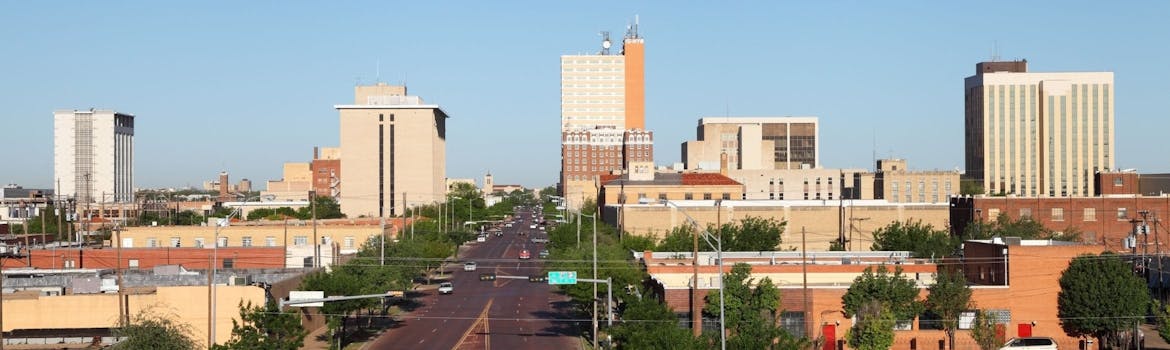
[(605, 43), (873, 162), (995, 51), (378, 71)]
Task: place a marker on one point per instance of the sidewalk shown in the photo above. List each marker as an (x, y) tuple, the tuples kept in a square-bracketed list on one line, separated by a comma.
[(1153, 340)]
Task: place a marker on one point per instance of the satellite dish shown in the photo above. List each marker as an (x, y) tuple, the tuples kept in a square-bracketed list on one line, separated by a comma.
[(605, 44)]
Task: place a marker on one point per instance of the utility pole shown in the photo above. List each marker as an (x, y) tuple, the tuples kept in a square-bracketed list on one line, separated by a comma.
[(121, 289), (594, 277), (316, 238), (804, 273), (696, 313)]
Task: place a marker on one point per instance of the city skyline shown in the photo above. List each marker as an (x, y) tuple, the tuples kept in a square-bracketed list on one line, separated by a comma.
[(246, 88)]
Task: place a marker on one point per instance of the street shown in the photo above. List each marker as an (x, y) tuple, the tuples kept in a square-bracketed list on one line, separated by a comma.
[(503, 314)]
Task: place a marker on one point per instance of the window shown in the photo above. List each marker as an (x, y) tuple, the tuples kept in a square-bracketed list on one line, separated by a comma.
[(348, 242), (661, 196), (175, 242), (229, 263), (688, 196), (133, 263), (1122, 214), (1090, 214), (1117, 182), (246, 241), (199, 242), (269, 241), (221, 242), (992, 213), (300, 240), (726, 196), (1057, 214), (707, 196), (152, 242), (1025, 212)]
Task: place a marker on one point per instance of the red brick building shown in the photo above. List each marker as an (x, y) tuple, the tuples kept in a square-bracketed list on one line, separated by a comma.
[(146, 258)]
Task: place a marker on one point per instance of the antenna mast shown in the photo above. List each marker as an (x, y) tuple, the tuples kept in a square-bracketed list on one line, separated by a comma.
[(605, 43)]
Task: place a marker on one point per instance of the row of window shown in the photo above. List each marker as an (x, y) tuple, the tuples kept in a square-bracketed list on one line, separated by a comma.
[(592, 86), (602, 69), (245, 241), (596, 61), (593, 77), (614, 109), (1057, 214)]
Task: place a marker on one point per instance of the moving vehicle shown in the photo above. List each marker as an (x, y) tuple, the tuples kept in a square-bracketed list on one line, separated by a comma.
[(539, 240), (446, 288), (469, 266), (1030, 343), (543, 254), (525, 255), (481, 238)]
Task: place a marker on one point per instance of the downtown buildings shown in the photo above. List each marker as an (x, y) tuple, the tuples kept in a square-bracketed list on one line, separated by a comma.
[(93, 155), (603, 116), (1037, 134)]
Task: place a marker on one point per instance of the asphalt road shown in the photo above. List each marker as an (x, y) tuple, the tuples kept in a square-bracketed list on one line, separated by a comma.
[(503, 314)]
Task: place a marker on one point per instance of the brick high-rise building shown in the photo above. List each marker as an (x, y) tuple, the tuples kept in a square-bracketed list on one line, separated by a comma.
[(602, 106), (1037, 134)]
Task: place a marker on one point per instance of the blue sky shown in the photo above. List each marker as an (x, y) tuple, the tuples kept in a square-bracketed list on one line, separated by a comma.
[(247, 86)]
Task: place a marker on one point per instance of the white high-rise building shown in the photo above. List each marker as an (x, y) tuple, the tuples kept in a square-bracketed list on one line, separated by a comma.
[(1038, 134), (93, 155)]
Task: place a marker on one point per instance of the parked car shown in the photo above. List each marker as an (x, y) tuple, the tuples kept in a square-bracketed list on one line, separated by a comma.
[(446, 288), (469, 266), (481, 238), (525, 255), (1030, 343)]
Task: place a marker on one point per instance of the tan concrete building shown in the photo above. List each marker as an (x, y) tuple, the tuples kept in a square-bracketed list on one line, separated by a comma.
[(894, 183), (1038, 134), (823, 221), (754, 143), (393, 150), (294, 186), (186, 304), (795, 184)]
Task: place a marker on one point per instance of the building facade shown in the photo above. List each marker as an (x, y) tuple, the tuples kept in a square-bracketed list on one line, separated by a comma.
[(1037, 134), (294, 186), (93, 155), (894, 182), (326, 168), (394, 151), (602, 107), (754, 143)]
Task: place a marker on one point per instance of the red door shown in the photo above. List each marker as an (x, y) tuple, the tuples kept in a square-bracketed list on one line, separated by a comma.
[(830, 332), (1024, 330)]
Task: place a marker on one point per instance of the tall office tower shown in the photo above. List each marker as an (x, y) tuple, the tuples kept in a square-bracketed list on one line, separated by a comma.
[(93, 155), (754, 143), (1037, 134), (603, 99), (393, 150)]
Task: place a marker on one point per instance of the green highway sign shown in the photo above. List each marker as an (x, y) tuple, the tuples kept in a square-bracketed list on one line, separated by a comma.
[(562, 277)]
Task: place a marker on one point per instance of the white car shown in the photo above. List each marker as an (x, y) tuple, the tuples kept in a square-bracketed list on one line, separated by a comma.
[(1028, 343), (446, 288), (469, 266), (481, 238)]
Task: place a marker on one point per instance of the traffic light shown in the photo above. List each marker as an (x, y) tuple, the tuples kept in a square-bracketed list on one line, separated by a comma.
[(487, 277), (538, 278)]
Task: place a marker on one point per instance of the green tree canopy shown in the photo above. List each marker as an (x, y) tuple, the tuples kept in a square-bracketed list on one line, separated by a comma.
[(874, 329), (949, 297), (151, 329), (1023, 227), (1100, 296), (265, 328), (983, 331), (896, 292), (656, 327), (751, 313), (922, 240), (751, 234)]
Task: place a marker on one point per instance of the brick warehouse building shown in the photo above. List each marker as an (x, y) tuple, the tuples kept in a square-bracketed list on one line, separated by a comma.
[(1107, 218), (147, 258), (1015, 280)]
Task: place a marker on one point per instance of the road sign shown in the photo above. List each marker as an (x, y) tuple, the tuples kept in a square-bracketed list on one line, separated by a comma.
[(562, 277)]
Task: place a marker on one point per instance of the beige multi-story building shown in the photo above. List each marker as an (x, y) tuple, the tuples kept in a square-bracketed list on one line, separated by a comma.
[(896, 184), (796, 184), (602, 107), (1037, 134), (393, 150), (93, 155), (294, 186), (754, 143)]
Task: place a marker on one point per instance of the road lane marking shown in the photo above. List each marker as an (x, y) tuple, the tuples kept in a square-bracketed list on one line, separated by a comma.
[(481, 318)]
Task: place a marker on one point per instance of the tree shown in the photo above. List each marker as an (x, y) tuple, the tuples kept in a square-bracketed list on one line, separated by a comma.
[(681, 239), (265, 328), (922, 240), (984, 331), (874, 329), (970, 187), (897, 293), (751, 313), (1023, 227), (949, 297), (751, 234), (152, 330), (656, 327), (327, 208), (1100, 296)]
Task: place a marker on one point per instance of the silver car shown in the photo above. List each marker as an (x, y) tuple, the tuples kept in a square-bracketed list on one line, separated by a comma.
[(1030, 343)]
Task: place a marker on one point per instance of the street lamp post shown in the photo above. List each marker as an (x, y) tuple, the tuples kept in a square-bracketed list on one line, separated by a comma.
[(211, 277), (718, 245), (594, 216)]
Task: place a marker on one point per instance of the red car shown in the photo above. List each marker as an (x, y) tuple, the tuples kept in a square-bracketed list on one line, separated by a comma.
[(525, 255)]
